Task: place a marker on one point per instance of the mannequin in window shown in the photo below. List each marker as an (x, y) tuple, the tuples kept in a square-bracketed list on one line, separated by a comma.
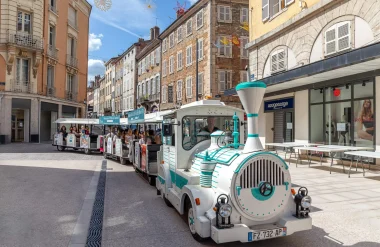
[(366, 120)]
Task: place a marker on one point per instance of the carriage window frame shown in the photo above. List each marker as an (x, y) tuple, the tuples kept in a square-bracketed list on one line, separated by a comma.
[(229, 117)]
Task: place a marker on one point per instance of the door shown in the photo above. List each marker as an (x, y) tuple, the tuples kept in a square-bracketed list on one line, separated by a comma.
[(278, 136), (288, 126)]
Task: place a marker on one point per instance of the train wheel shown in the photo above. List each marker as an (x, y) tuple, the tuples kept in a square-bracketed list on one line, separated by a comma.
[(87, 151), (105, 155), (191, 223), (61, 148)]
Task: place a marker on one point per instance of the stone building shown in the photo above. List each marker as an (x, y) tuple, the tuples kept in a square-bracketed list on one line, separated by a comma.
[(217, 27), (118, 87), (320, 61), (43, 76), (148, 74), (130, 75), (109, 97)]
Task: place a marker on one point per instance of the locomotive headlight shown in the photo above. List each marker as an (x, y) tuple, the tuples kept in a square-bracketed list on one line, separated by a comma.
[(306, 202), (225, 210)]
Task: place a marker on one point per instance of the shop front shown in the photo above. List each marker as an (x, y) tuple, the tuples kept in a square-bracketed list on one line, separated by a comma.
[(280, 119), (344, 114)]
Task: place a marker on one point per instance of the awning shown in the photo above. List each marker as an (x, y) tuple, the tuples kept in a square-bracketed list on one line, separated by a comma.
[(354, 62), (87, 121)]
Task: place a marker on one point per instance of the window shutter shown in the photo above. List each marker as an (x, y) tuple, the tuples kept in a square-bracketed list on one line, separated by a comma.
[(229, 79), (200, 83), (265, 10), (222, 81), (281, 60), (158, 84), (330, 40), (343, 30), (228, 13), (170, 94), (274, 63), (220, 13)]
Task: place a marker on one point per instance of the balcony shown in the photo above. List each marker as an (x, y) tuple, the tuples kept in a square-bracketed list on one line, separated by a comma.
[(70, 95), (53, 9), (50, 91), (71, 61), (25, 40), (19, 86), (52, 52)]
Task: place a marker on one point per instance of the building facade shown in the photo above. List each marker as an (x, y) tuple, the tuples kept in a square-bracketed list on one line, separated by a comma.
[(130, 76), (118, 88), (148, 74), (42, 76), (320, 61), (211, 31), (102, 95), (108, 87)]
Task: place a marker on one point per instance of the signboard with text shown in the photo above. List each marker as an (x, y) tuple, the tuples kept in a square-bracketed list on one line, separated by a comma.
[(109, 120), (136, 116), (279, 104)]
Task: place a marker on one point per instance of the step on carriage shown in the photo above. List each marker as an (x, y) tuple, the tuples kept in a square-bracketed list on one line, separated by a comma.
[(227, 190), (88, 140)]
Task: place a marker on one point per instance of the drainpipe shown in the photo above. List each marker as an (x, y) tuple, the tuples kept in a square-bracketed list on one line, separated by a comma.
[(211, 47)]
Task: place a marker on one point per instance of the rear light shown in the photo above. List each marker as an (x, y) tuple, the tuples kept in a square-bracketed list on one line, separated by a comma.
[(293, 192)]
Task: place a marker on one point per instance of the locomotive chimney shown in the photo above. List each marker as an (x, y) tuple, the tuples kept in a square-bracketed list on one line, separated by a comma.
[(251, 95)]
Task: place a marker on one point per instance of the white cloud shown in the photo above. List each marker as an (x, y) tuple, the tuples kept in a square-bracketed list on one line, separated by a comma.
[(130, 16), (95, 67), (95, 42)]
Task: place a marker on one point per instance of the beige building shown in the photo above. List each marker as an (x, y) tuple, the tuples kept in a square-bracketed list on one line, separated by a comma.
[(215, 25), (43, 76), (118, 88), (109, 86)]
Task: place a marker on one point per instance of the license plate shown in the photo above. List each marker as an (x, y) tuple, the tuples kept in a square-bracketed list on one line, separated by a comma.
[(265, 234)]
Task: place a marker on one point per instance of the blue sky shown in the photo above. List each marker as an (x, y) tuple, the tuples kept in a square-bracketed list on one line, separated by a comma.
[(113, 31)]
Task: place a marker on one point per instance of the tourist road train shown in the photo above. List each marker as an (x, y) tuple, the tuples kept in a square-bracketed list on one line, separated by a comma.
[(227, 186)]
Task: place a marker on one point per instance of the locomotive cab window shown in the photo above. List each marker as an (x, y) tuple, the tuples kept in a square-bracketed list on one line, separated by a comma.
[(196, 129)]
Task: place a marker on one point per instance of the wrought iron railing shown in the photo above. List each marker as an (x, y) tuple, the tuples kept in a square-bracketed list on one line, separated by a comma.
[(70, 95), (71, 61), (25, 40), (52, 52), (21, 86)]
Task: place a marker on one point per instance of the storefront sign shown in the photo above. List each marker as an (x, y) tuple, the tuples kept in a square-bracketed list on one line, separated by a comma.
[(280, 104), (109, 120), (136, 116)]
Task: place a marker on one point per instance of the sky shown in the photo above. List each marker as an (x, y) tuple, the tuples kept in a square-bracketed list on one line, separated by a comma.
[(115, 30)]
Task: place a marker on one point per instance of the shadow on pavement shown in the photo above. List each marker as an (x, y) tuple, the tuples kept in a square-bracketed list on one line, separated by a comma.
[(40, 206)]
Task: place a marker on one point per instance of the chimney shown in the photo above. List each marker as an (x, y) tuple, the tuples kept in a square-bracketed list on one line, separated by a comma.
[(141, 40), (180, 12), (251, 95)]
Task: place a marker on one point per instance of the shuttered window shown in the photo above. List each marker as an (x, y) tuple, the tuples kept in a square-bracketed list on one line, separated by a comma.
[(189, 57), (170, 94), (189, 27), (179, 60), (224, 49), (179, 34), (278, 61), (244, 15), (179, 90), (200, 48), (164, 68), (265, 10), (338, 38), (171, 40), (224, 79), (200, 19), (189, 87), (224, 13), (200, 83), (171, 65)]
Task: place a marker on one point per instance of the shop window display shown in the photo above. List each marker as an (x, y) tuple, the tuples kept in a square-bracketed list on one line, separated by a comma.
[(345, 115)]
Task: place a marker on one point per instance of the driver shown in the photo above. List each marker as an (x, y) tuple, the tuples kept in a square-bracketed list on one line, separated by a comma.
[(210, 127)]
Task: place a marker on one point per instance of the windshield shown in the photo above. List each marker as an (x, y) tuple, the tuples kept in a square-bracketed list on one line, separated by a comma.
[(196, 129)]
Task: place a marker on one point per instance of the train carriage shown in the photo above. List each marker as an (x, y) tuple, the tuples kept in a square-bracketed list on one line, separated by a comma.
[(227, 189), (87, 142)]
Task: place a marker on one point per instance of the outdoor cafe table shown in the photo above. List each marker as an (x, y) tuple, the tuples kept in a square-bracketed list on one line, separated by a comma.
[(361, 154), (331, 150), (289, 146)]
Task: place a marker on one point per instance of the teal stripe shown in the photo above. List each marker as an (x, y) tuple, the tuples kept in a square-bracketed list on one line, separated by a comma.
[(253, 135), (215, 181), (252, 115), (206, 173), (245, 85)]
